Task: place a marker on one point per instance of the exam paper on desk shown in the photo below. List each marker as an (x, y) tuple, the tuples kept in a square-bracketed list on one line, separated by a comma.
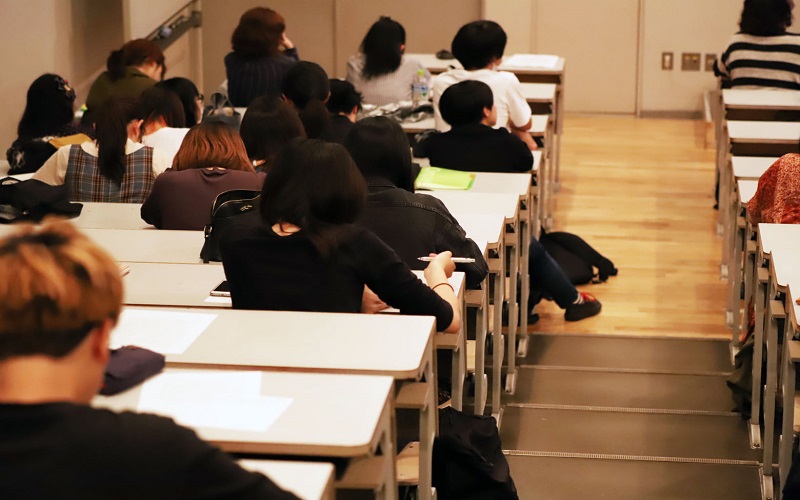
[(530, 61), (215, 400), (165, 332)]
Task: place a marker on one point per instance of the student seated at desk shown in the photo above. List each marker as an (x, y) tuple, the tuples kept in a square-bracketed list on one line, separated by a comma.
[(472, 143), (212, 160), (479, 47), (191, 98), (777, 198), (309, 256), (381, 72), (163, 121), (46, 124), (306, 88), (413, 224), (269, 125), (344, 105), (60, 297), (114, 168)]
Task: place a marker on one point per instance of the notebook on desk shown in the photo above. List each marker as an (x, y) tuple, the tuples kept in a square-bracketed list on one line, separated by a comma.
[(441, 178)]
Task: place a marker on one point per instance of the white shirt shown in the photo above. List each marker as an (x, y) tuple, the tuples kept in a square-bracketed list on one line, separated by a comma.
[(506, 90), (166, 139), (388, 88), (54, 170)]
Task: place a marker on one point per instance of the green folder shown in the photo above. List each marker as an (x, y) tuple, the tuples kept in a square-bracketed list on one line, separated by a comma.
[(442, 178)]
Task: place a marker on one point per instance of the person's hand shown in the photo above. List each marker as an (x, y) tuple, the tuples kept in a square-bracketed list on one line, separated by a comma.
[(371, 303), (442, 261), (285, 42)]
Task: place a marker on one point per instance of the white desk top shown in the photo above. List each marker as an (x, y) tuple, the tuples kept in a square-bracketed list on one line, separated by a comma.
[(746, 189), (180, 285), (111, 216), (492, 182), (174, 247), (750, 167), (436, 65), (537, 160), (483, 227), (538, 125), (426, 124), (351, 406), (779, 237), (539, 92), (754, 132), (469, 202), (761, 99), (307, 480), (383, 344), (785, 259)]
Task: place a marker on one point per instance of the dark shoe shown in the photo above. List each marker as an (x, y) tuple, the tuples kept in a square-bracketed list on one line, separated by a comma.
[(586, 309)]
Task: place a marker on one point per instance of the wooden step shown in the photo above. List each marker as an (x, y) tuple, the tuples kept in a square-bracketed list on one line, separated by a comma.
[(408, 465)]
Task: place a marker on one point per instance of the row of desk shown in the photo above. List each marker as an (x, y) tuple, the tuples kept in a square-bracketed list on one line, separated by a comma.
[(763, 260)]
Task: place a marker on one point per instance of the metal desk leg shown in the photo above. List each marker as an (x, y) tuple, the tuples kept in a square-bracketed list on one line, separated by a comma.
[(787, 432), (769, 393), (758, 352), (735, 281), (427, 432), (525, 249), (511, 341), (497, 335)]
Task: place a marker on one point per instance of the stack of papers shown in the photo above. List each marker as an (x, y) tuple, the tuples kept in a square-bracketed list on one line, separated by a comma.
[(165, 332), (441, 178)]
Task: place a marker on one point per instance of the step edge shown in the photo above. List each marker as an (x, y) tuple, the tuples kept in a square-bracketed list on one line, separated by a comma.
[(633, 371), (629, 458), (622, 409)]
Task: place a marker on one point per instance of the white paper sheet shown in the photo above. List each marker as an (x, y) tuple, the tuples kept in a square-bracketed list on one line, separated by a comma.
[(217, 400), (211, 299), (531, 61), (166, 332)]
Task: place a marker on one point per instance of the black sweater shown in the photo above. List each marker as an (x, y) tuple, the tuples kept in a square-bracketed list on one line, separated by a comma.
[(66, 451), (286, 273)]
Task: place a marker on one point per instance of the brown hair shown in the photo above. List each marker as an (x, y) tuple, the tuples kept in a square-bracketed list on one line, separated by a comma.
[(212, 144), (134, 53), (259, 33), (57, 286)]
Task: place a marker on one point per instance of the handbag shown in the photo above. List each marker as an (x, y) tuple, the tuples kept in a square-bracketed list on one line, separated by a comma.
[(31, 200), (237, 205), (128, 367), (221, 110)]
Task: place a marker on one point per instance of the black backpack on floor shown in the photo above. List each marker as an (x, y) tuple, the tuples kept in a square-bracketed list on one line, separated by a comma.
[(577, 258), (468, 460)]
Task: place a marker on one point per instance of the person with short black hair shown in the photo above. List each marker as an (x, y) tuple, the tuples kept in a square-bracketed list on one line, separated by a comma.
[(344, 105), (472, 144), (306, 88), (307, 254), (269, 124), (163, 121), (381, 71), (763, 53), (479, 47), (262, 53), (60, 297), (191, 98)]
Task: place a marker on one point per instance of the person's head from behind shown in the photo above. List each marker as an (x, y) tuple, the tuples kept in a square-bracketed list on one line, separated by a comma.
[(59, 298), (316, 186), (766, 17), (160, 108), (212, 144), (383, 47), (306, 88), (259, 33), (345, 99), (191, 98), (116, 121), (468, 102), (267, 126), (379, 148), (48, 107), (142, 54), (479, 44)]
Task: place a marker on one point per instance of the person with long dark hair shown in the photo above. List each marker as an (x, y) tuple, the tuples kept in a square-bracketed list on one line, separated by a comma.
[(191, 98), (46, 124), (380, 71), (306, 88), (211, 160), (130, 70), (763, 53), (413, 224), (113, 168), (268, 125), (344, 105), (307, 255), (262, 53)]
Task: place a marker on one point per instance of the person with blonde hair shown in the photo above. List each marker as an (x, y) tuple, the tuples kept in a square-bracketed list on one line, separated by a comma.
[(60, 297), (211, 160)]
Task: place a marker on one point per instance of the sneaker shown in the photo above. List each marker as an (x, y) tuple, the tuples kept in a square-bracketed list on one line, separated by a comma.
[(586, 309)]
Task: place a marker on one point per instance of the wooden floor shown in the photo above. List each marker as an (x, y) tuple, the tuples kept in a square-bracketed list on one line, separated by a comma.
[(641, 192)]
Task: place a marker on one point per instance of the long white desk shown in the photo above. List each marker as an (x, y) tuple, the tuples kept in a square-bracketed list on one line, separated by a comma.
[(111, 216), (356, 411), (307, 480), (366, 344)]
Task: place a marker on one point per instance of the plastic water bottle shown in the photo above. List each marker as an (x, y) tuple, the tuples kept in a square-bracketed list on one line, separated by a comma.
[(420, 92)]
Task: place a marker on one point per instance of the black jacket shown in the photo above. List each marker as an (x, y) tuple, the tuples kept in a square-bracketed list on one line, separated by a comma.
[(476, 148), (415, 225)]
